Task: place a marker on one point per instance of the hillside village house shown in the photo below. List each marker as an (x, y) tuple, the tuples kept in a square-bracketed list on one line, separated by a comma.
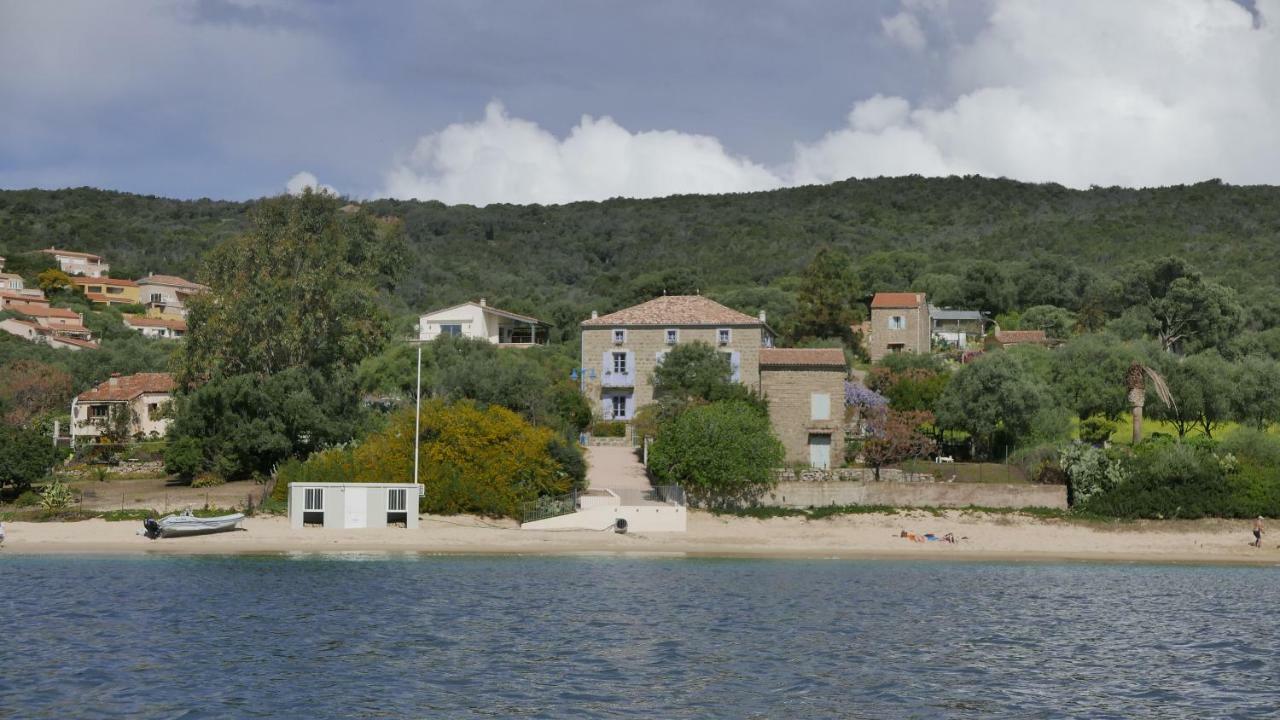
[(157, 327), (958, 328), (58, 321), (805, 390), (899, 323), (620, 350), (32, 332), (78, 263), (10, 297), (108, 291), (166, 295), (10, 281), (1008, 338), (479, 320), (143, 396)]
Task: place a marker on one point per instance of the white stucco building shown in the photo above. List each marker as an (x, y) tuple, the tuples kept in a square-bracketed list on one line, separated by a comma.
[(479, 320), (78, 263), (166, 295), (353, 505)]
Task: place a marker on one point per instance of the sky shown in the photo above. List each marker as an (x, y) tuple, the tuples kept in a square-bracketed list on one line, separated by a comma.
[(534, 101)]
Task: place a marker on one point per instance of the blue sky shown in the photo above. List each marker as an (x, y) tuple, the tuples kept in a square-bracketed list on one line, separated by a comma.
[(538, 101)]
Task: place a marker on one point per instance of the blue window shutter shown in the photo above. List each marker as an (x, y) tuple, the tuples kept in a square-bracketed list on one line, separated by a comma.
[(631, 406), (606, 364), (631, 364), (736, 363)]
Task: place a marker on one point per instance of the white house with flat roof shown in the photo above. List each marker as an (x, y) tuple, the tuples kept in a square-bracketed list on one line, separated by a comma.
[(482, 321), (353, 505), (79, 263)]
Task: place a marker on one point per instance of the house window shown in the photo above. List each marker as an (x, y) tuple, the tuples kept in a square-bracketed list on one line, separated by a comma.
[(618, 406), (97, 411), (451, 330), (153, 409), (673, 336), (313, 499), (114, 290), (723, 335), (619, 337), (157, 298), (397, 499), (819, 406), (620, 363), (897, 322), (896, 347)]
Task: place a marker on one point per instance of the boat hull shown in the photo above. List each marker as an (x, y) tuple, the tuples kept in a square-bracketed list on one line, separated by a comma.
[(184, 525)]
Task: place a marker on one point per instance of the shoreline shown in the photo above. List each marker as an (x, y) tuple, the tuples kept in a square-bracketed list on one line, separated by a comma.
[(985, 538)]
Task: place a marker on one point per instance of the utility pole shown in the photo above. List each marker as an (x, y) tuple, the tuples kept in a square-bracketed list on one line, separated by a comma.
[(417, 417)]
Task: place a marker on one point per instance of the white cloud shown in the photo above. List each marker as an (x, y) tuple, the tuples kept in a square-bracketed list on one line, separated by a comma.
[(1081, 93), (905, 30), (304, 180), (506, 159)]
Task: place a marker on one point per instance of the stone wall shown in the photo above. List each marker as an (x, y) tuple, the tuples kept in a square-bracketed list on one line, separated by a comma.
[(789, 391), (915, 494), (915, 337)]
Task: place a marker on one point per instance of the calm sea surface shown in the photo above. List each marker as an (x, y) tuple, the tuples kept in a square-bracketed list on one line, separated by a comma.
[(379, 636)]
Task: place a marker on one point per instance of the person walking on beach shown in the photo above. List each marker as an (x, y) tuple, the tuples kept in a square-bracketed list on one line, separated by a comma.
[(1257, 532), (1, 534)]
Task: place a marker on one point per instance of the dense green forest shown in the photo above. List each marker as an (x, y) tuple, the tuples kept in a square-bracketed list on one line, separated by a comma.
[(996, 244)]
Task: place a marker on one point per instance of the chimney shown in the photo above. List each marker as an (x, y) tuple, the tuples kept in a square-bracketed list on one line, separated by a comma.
[(483, 302), (762, 316), (594, 314), (115, 380)]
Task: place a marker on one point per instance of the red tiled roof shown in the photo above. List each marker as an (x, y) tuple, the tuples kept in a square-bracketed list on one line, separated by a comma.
[(119, 282), (897, 300), (16, 296), (129, 387), (172, 281), (87, 344), (137, 321), (37, 310), (71, 253), (675, 310), (1016, 337), (807, 357)]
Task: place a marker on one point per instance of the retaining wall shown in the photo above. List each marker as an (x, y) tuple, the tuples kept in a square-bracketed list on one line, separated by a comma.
[(915, 494)]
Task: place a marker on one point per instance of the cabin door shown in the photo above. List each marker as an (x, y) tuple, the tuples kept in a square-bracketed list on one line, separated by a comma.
[(820, 451), (356, 507)]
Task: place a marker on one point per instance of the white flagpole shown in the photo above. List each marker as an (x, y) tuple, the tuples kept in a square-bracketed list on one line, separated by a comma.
[(417, 418)]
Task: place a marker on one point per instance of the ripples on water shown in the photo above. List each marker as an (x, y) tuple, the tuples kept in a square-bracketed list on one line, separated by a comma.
[(215, 637)]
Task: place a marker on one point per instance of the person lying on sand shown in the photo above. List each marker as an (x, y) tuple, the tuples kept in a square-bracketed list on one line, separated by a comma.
[(928, 537)]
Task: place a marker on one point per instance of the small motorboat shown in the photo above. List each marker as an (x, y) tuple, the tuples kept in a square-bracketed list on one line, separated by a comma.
[(188, 524)]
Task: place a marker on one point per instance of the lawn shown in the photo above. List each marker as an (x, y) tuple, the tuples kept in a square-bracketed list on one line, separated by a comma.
[(963, 472)]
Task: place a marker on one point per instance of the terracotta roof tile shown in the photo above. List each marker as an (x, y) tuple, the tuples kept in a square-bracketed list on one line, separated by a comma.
[(71, 253), (138, 321), (86, 344), (31, 309), (129, 387), (1015, 337), (897, 300), (807, 357), (675, 310), (172, 281), (118, 282)]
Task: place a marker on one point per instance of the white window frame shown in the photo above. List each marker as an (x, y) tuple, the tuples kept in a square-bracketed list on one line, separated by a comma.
[(724, 336), (402, 494), (616, 367), (673, 336), (443, 331), (817, 400), (308, 494), (897, 322), (619, 336)]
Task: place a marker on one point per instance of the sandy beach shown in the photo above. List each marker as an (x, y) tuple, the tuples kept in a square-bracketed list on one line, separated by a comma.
[(981, 537)]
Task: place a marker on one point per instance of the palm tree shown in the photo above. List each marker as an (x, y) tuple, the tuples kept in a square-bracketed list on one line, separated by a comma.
[(1136, 379)]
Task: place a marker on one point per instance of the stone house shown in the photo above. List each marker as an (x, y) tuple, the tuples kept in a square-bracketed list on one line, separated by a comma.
[(958, 328), (143, 396), (899, 323), (805, 390), (479, 320), (620, 351)]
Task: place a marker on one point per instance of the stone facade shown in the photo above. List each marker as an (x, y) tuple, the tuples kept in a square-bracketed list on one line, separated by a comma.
[(916, 494), (899, 323), (642, 347), (796, 414)]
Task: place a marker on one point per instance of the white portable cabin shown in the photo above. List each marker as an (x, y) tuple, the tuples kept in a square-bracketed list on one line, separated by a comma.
[(353, 505)]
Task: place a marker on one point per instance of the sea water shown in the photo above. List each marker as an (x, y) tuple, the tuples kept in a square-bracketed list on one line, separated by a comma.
[(372, 636)]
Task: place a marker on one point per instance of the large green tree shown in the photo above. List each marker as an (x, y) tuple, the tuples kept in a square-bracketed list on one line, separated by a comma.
[(829, 302), (994, 398), (1087, 375), (723, 454), (298, 290), (25, 456)]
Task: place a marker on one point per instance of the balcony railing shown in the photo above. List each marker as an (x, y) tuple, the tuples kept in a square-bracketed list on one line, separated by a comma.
[(616, 379)]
